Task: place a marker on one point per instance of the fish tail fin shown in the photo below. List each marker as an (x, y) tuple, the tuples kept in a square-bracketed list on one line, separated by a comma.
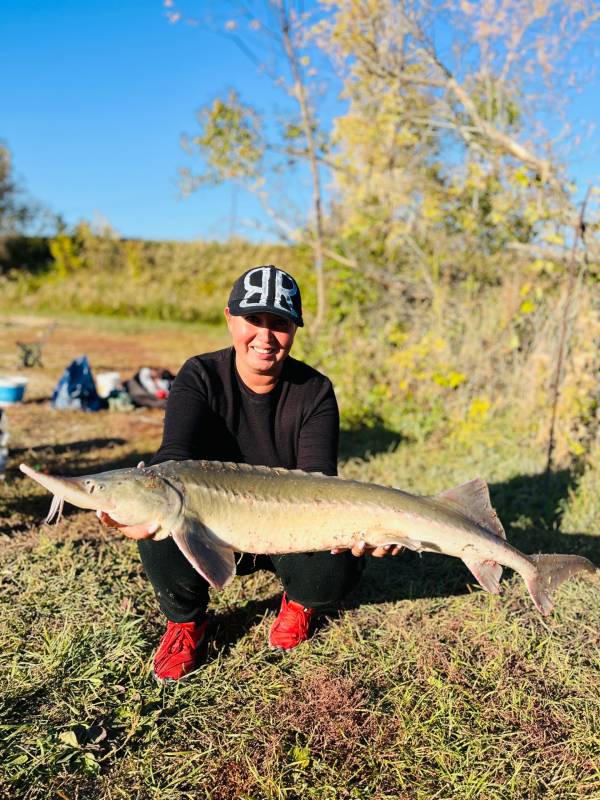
[(552, 570)]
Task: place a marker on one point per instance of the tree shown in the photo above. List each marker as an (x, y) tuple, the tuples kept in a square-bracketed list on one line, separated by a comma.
[(232, 140), (441, 136), (14, 213)]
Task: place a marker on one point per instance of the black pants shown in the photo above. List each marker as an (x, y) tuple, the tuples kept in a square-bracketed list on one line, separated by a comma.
[(316, 580)]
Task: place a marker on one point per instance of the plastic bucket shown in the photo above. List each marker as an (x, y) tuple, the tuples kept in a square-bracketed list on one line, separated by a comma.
[(12, 390), (106, 382)]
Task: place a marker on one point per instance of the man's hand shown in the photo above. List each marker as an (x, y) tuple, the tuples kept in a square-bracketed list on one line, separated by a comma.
[(361, 549), (145, 531)]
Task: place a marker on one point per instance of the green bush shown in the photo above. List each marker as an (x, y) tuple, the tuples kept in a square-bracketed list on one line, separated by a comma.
[(93, 274)]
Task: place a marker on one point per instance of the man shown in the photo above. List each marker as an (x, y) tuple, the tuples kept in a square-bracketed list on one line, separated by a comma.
[(252, 403)]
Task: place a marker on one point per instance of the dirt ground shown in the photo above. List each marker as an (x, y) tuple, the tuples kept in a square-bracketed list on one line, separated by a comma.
[(75, 442), (109, 345)]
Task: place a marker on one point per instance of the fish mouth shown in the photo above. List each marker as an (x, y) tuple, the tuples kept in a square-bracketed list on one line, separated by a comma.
[(70, 490)]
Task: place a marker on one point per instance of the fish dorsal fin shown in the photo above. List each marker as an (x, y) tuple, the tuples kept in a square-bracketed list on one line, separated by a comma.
[(473, 500), (209, 556)]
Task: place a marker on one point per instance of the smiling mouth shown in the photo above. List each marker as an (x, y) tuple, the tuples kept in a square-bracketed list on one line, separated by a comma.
[(264, 351)]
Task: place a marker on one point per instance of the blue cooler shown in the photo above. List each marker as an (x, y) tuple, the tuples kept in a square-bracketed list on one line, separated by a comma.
[(12, 390)]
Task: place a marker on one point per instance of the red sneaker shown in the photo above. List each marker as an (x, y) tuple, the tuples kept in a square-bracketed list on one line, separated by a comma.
[(291, 626), (177, 653)]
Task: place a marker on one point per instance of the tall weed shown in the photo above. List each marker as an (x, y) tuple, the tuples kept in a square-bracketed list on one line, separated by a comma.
[(447, 368)]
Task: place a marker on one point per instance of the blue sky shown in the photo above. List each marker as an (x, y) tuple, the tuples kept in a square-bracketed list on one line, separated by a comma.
[(95, 97)]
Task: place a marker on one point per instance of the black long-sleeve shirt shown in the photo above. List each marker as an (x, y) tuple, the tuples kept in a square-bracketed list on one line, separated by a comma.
[(211, 414)]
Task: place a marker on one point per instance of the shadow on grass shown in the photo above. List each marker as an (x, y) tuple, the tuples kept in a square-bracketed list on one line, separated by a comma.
[(227, 627), (129, 459), (21, 705), (531, 506), (20, 510), (83, 467), (361, 443), (83, 446), (366, 442)]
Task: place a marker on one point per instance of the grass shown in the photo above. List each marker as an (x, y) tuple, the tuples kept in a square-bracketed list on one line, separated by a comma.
[(422, 687)]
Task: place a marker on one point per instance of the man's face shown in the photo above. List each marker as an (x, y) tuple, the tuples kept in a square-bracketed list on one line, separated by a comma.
[(261, 341)]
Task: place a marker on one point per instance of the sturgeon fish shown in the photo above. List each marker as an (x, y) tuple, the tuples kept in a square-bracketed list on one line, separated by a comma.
[(214, 510)]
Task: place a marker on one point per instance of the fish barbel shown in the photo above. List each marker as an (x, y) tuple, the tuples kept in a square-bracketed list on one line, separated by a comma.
[(214, 509)]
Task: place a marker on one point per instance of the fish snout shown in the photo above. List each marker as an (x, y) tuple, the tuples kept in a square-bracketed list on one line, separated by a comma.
[(82, 492)]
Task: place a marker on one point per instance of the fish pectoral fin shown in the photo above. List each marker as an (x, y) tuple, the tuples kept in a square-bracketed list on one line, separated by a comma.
[(209, 556), (488, 574), (472, 499)]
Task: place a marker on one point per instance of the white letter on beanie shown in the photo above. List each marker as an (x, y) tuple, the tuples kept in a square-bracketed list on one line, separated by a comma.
[(281, 293), (253, 291)]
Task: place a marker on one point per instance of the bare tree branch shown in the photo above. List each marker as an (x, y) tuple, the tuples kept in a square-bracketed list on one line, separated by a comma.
[(308, 127)]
